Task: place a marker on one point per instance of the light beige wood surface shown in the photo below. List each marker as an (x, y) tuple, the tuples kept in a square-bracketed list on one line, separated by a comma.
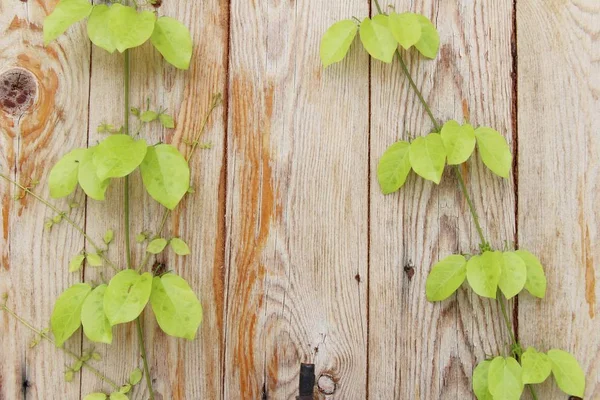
[(297, 257)]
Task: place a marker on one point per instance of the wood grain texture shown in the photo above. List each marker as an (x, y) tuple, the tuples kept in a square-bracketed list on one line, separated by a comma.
[(559, 176), (34, 260), (297, 202), (417, 349)]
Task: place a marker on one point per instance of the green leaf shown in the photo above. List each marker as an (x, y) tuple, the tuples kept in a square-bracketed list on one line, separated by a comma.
[(76, 263), (406, 28), (66, 13), (148, 116), (536, 279), (66, 316), (98, 28), (536, 366), (337, 41), (95, 396), (118, 396), (428, 157), (513, 275), (118, 155), (483, 273), (135, 377), (173, 40), (63, 176), (567, 372), (109, 236), (494, 151), (94, 259), (128, 28), (377, 38), (505, 379), (175, 306), (179, 247), (480, 381), (429, 42), (125, 388), (156, 246), (166, 121), (394, 167), (95, 324), (126, 296), (459, 141), (93, 186), (446, 277), (166, 174)]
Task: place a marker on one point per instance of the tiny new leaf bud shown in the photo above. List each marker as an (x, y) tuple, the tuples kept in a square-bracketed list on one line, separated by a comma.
[(125, 389), (96, 356), (140, 238), (135, 111), (135, 377), (86, 357), (48, 225), (69, 375), (77, 366), (148, 116), (94, 260), (108, 236), (57, 218)]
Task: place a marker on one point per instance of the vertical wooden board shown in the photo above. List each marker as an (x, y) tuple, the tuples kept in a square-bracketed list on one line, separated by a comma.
[(559, 177), (181, 369), (40, 120), (418, 349), (297, 202)]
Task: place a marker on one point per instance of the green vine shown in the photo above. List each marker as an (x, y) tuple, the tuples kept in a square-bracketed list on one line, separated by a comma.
[(494, 274)]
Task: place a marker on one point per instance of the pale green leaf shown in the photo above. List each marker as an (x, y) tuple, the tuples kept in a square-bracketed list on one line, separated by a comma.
[(429, 42), (513, 275), (567, 372), (393, 167), (377, 38), (494, 151), (125, 388), (406, 28), (135, 377), (459, 141), (505, 379), (536, 279), (446, 277), (175, 306), (95, 324), (93, 186), (483, 273), (76, 263), (129, 28), (95, 396), (173, 40), (156, 246), (179, 247), (97, 28), (109, 236), (118, 396), (536, 366), (94, 259), (148, 116), (63, 176), (66, 13), (126, 296), (118, 155), (337, 41), (166, 174), (166, 121), (66, 315), (480, 381), (428, 157)]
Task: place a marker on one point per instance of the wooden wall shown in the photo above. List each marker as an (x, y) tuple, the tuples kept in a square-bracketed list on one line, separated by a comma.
[(297, 257)]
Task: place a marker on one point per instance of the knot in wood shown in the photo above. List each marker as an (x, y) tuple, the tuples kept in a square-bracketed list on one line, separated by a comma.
[(326, 384), (18, 89)]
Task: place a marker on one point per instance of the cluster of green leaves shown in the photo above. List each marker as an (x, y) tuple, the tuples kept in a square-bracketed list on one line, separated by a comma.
[(428, 155), (118, 27), (510, 271), (503, 378), (134, 378), (74, 368), (122, 300), (165, 171), (165, 119), (380, 36), (178, 245)]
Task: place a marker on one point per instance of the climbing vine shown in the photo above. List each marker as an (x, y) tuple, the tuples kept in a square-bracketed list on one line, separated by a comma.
[(491, 273), (122, 296)]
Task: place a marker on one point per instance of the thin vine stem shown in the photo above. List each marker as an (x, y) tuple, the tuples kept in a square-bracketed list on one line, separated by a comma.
[(64, 216), (66, 351)]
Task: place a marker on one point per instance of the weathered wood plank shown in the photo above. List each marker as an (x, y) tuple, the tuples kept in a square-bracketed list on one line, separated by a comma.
[(297, 202), (181, 369), (33, 136), (559, 176), (417, 349)]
